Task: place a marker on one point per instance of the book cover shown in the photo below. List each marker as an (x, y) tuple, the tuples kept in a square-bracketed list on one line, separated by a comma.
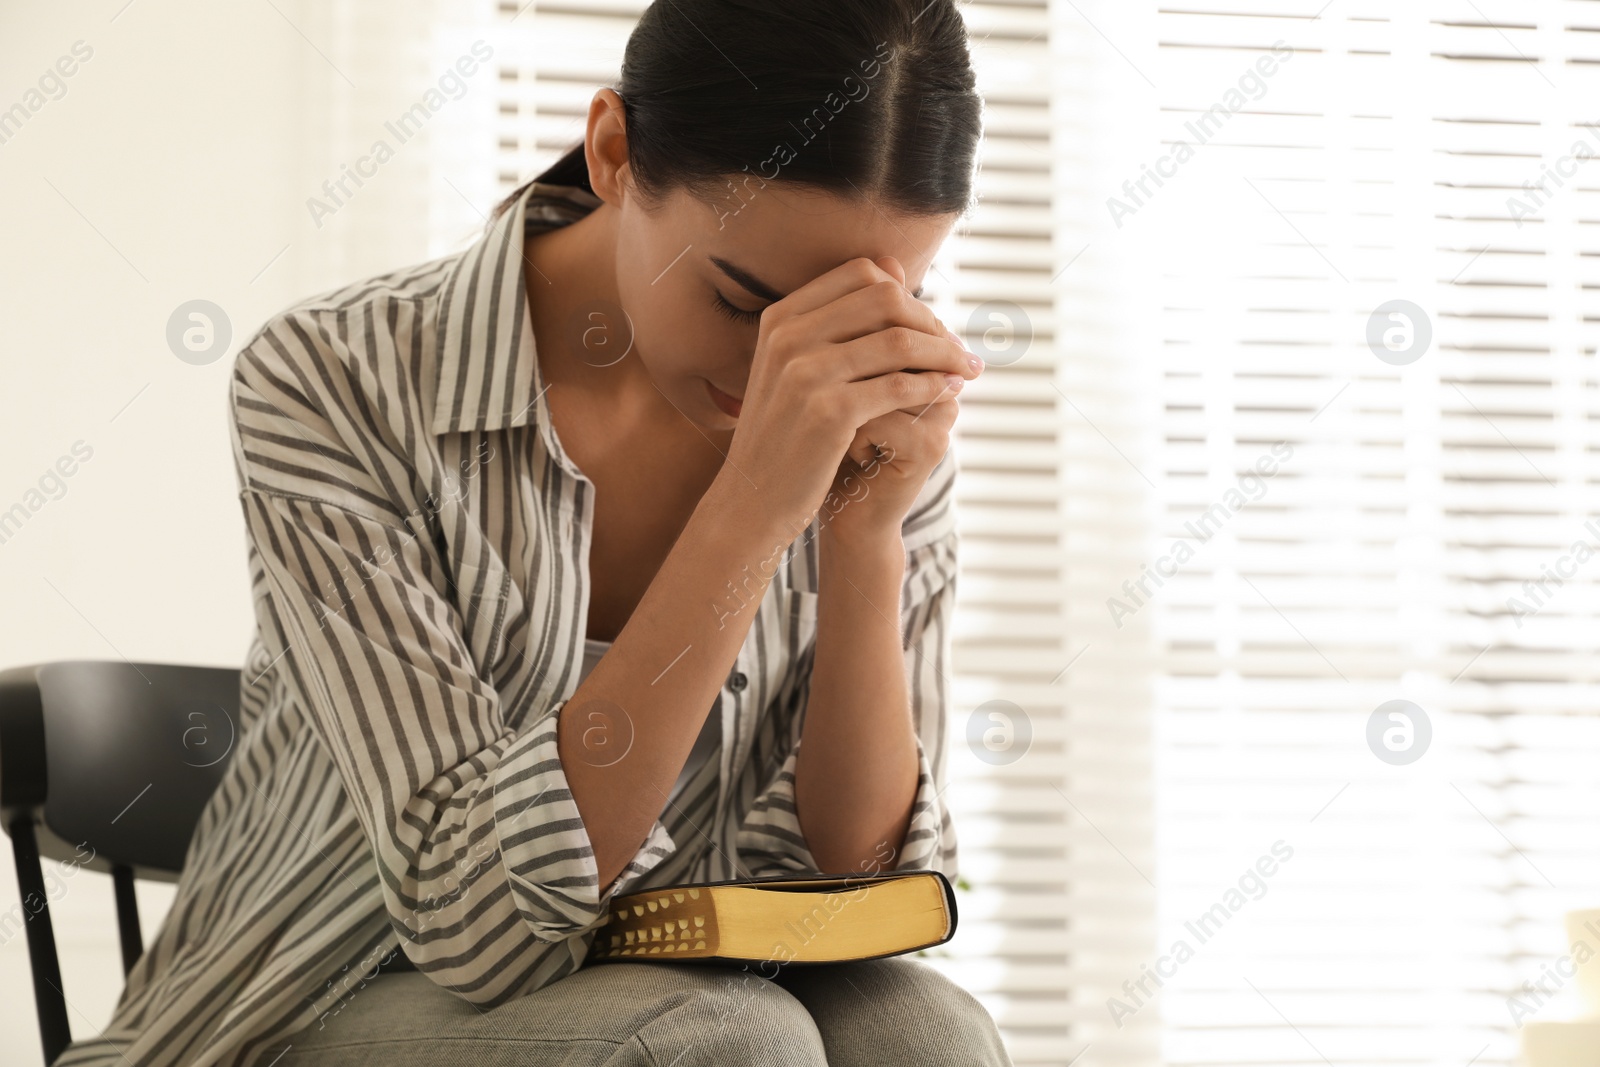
[(783, 919)]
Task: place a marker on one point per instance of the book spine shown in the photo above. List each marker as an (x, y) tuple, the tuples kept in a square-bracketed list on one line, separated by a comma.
[(672, 923)]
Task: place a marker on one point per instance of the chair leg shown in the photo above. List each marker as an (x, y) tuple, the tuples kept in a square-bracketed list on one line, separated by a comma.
[(127, 917), (48, 994)]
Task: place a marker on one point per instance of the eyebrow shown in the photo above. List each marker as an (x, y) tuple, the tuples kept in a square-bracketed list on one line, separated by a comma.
[(758, 287)]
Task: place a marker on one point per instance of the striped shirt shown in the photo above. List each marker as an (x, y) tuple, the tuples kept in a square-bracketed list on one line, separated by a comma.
[(416, 545)]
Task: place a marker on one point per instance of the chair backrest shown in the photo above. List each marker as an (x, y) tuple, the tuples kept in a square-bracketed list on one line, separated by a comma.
[(130, 752), (107, 765), (134, 753)]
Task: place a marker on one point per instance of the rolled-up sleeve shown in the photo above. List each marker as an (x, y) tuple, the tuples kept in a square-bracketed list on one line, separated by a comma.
[(485, 866), (770, 840)]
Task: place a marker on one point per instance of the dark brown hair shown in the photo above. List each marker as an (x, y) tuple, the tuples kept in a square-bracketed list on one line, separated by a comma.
[(855, 97)]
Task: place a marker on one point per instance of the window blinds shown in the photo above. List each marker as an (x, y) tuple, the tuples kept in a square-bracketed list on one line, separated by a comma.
[(1416, 487), (1215, 516)]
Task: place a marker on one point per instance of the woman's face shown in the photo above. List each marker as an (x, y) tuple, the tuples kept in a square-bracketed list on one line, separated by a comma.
[(693, 277)]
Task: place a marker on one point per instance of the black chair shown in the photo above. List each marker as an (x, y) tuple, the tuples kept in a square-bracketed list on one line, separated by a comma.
[(105, 765)]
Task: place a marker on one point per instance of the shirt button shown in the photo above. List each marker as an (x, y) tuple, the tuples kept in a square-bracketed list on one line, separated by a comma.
[(738, 681)]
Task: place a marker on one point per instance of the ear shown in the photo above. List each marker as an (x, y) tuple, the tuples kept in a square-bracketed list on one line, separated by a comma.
[(605, 147)]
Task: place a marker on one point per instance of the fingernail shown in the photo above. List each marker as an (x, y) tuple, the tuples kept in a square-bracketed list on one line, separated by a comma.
[(976, 364), (956, 381)]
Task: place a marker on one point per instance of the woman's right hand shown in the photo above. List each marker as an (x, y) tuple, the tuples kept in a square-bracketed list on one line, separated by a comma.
[(848, 346)]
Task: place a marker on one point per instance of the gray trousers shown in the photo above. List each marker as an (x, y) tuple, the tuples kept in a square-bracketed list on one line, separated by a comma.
[(870, 1013)]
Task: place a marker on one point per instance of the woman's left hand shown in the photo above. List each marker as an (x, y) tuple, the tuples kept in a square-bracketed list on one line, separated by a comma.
[(876, 486)]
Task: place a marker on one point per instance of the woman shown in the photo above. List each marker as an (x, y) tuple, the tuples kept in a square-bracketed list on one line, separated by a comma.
[(613, 552)]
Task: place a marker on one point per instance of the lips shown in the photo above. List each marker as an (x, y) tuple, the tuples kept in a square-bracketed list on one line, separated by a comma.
[(729, 405)]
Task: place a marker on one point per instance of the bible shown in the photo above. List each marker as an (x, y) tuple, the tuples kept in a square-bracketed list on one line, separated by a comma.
[(781, 918)]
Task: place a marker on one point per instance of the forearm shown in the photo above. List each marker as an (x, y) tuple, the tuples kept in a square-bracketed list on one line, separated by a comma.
[(856, 773), (627, 730)]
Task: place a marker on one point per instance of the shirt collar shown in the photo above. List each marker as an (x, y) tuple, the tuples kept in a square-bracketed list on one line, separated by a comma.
[(484, 340)]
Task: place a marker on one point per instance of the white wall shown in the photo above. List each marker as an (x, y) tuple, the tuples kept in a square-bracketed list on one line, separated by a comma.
[(176, 165)]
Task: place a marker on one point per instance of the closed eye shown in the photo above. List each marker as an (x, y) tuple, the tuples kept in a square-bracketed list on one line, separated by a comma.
[(737, 314)]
